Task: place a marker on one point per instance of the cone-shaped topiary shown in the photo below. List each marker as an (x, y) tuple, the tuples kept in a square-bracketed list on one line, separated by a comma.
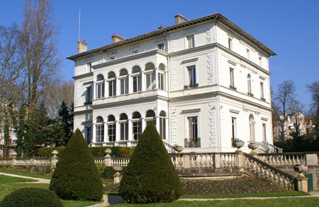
[(76, 176), (150, 176), (32, 197)]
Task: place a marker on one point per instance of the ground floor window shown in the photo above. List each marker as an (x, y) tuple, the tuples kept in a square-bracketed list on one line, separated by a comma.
[(137, 129), (99, 133)]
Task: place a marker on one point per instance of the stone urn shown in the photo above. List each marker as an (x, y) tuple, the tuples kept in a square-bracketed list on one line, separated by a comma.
[(178, 148), (117, 175), (253, 146), (108, 151), (55, 152), (301, 169), (238, 144)]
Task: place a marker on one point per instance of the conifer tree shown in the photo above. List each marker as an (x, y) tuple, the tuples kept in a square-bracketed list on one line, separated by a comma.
[(150, 176), (76, 176)]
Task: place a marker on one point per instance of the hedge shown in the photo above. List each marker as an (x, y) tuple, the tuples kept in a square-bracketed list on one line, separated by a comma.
[(96, 151)]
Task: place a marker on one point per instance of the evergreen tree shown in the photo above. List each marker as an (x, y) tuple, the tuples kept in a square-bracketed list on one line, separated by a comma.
[(150, 175), (76, 176), (63, 125)]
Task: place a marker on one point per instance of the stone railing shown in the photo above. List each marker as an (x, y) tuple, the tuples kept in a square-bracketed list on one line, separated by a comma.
[(283, 159), (264, 170), (267, 147), (120, 161)]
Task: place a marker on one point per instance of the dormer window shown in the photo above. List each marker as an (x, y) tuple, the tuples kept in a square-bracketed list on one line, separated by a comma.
[(190, 41), (135, 51)]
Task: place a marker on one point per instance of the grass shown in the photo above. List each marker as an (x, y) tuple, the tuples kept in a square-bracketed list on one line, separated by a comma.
[(26, 172), (9, 184), (291, 202)]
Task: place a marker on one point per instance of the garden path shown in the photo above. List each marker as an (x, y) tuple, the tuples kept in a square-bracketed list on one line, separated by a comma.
[(39, 180)]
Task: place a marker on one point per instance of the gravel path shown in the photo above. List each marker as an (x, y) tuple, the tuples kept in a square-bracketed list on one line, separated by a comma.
[(39, 180)]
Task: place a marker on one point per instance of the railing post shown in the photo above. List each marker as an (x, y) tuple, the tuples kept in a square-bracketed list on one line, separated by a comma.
[(311, 159), (240, 161), (217, 161), (312, 163), (107, 158), (53, 160), (186, 161), (14, 158)]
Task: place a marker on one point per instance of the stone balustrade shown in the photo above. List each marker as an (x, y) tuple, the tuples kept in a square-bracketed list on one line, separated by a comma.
[(283, 159), (264, 170), (120, 161)]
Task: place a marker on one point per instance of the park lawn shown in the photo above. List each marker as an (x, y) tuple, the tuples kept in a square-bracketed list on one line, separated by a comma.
[(279, 202), (9, 184), (26, 172)]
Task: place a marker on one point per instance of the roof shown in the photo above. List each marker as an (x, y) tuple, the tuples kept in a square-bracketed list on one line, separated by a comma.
[(216, 16)]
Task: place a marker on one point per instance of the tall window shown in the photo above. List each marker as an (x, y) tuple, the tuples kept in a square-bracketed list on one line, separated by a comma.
[(111, 78), (264, 132), (150, 76), (136, 76), (137, 125), (232, 78), (192, 75), (124, 126), (99, 129), (99, 86), (111, 128), (230, 43), (252, 127), (88, 98), (161, 77), (150, 116), (249, 84), (262, 90), (233, 127), (88, 135), (190, 41), (193, 131), (124, 81), (89, 67), (161, 46), (162, 125)]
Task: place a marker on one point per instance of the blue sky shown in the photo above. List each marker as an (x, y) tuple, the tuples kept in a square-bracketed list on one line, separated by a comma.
[(290, 28)]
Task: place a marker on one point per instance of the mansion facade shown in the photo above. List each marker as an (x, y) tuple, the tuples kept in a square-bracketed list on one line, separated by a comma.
[(203, 82)]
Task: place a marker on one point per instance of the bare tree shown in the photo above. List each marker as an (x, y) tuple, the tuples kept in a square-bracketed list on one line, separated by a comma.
[(314, 106), (283, 98), (57, 92), (40, 49)]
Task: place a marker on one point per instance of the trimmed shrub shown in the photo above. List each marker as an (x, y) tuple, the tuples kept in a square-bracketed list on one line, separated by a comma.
[(150, 176), (31, 197), (76, 176), (96, 151)]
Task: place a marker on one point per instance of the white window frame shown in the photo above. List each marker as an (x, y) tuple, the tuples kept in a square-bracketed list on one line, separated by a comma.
[(230, 43), (138, 83), (99, 135), (159, 46), (89, 67), (232, 77), (111, 87), (190, 41), (150, 79), (124, 84), (124, 136), (138, 127), (186, 74), (262, 90), (113, 125), (161, 80), (100, 89)]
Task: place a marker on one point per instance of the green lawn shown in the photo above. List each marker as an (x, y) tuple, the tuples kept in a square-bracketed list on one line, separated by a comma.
[(10, 184), (26, 172), (282, 202)]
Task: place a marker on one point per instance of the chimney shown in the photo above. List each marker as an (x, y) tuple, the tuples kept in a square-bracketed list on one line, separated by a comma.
[(180, 18), (82, 46), (160, 27), (117, 38)]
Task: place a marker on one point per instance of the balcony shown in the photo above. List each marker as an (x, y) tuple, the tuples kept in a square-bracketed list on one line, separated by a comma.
[(192, 142)]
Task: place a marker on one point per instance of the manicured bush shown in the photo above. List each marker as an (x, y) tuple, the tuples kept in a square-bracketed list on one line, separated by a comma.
[(150, 176), (96, 151), (31, 197), (76, 176)]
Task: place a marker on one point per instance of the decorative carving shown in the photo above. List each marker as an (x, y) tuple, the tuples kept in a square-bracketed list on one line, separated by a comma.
[(212, 125), (210, 69), (173, 76)]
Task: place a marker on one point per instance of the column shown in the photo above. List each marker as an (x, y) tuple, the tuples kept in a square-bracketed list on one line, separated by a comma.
[(143, 78), (156, 78), (118, 133), (93, 90), (106, 133), (130, 132), (93, 134), (157, 123), (106, 87), (118, 86), (130, 83)]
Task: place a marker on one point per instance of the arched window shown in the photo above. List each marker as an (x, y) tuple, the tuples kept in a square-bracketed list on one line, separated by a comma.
[(99, 86), (111, 128), (161, 76), (249, 84), (99, 129), (162, 124), (252, 127), (124, 126), (137, 125), (111, 78), (124, 81), (150, 76), (136, 76), (150, 116)]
